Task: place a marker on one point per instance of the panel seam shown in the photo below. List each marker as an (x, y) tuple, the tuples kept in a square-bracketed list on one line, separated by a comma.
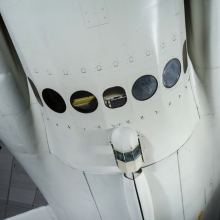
[(138, 197), (181, 189), (46, 133), (92, 195), (173, 152)]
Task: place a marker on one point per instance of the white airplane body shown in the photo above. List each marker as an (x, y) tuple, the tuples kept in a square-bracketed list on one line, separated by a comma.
[(106, 110)]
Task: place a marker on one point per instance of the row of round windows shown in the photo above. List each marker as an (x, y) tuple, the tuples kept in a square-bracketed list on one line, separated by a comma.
[(114, 97)]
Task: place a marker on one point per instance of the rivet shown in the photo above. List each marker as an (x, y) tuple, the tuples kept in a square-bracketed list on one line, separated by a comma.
[(148, 53), (115, 64), (99, 68), (131, 59), (83, 70)]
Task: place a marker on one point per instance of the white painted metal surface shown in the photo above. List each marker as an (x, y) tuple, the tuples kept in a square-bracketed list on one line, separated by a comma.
[(144, 194), (124, 141), (165, 187), (75, 45), (132, 199), (153, 117), (132, 166), (109, 187), (124, 138), (65, 188), (196, 163)]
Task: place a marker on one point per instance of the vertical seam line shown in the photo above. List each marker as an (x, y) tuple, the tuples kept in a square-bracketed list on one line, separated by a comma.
[(46, 133), (180, 184), (191, 69), (92, 194), (138, 197)]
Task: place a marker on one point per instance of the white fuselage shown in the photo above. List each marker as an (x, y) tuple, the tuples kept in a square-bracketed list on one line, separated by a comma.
[(91, 53)]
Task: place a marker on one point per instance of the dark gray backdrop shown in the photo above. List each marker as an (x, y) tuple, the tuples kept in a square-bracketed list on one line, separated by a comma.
[(18, 193)]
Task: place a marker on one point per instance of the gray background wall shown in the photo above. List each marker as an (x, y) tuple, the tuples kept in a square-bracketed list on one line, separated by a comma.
[(18, 193)]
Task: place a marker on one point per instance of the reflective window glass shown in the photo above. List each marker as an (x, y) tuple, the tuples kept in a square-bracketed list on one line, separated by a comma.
[(171, 73), (185, 62), (84, 102), (115, 97), (129, 156), (35, 92), (136, 152), (120, 156), (144, 87), (54, 100)]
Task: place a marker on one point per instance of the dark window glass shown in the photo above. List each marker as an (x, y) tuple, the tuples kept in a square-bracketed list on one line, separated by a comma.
[(54, 100), (35, 92), (120, 156), (129, 156), (136, 152), (144, 87), (185, 62), (171, 73), (84, 102), (115, 97)]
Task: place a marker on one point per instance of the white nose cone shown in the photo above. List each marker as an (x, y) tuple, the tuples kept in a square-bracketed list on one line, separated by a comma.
[(127, 149), (124, 138)]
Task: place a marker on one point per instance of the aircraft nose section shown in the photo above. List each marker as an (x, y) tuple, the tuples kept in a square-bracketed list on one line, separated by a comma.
[(124, 138), (127, 149)]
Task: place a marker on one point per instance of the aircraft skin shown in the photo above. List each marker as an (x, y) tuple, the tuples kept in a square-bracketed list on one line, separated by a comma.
[(95, 45)]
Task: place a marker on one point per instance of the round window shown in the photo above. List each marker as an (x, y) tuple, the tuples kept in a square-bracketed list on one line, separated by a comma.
[(144, 87), (115, 97), (84, 102), (35, 92), (171, 73), (54, 100)]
